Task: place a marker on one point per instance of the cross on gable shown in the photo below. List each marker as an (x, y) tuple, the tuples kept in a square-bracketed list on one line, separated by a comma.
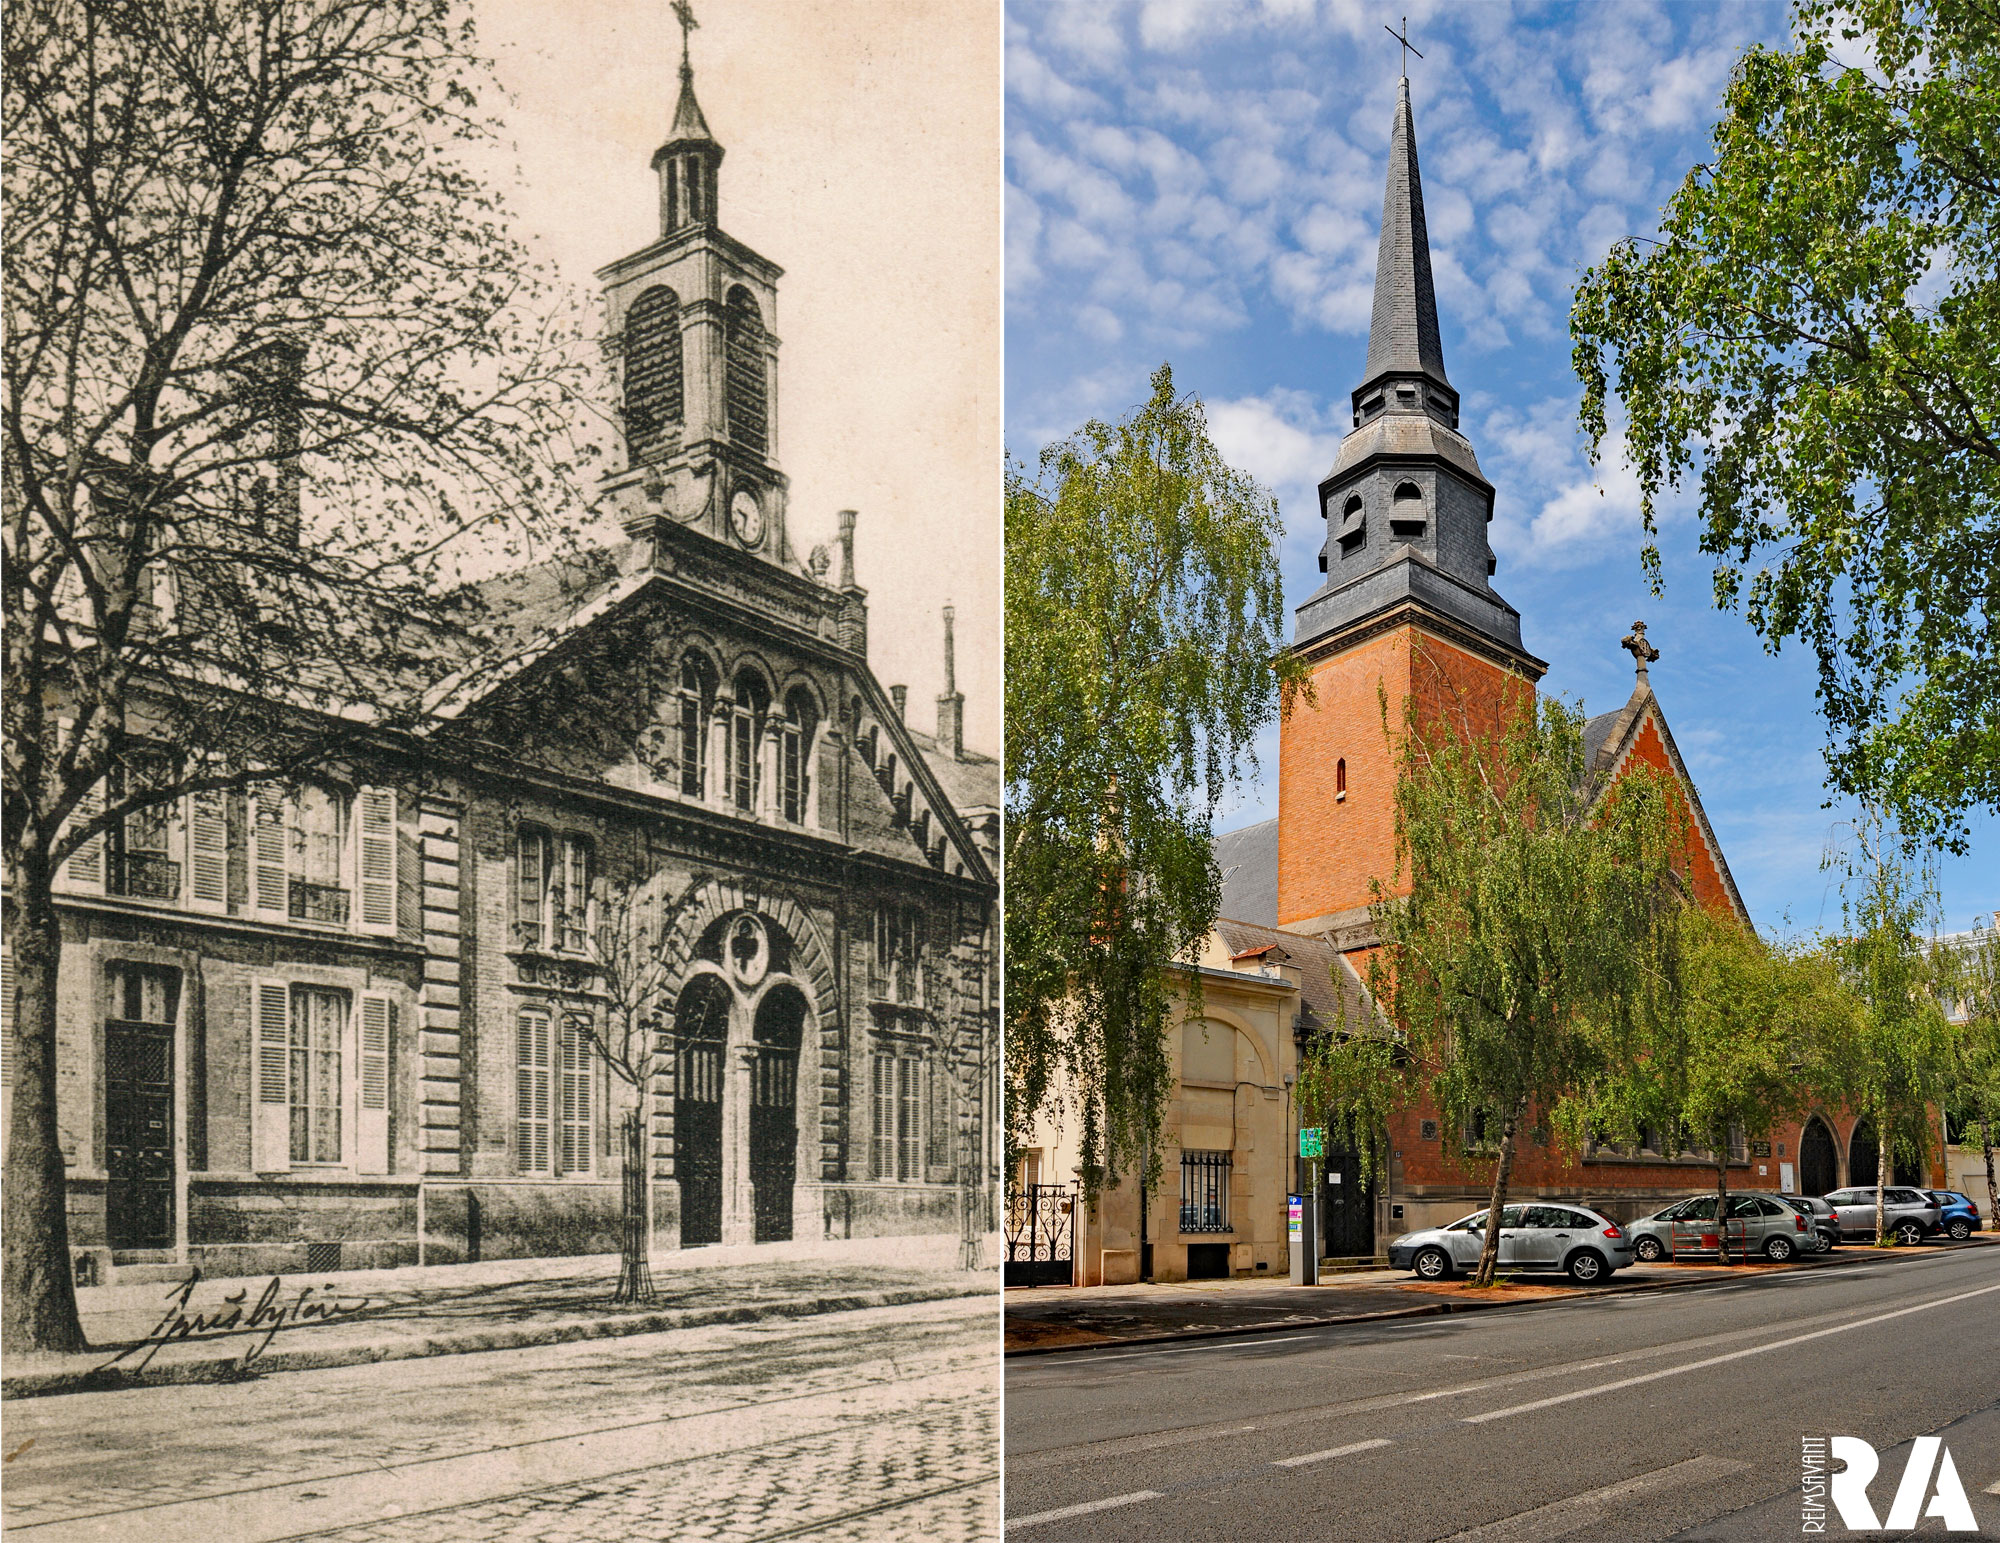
[(1634, 643)]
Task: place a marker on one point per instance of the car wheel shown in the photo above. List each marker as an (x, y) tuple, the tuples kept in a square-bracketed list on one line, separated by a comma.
[(1585, 1267), (1649, 1249), (1432, 1264), (1909, 1234), (1778, 1250), (1961, 1229)]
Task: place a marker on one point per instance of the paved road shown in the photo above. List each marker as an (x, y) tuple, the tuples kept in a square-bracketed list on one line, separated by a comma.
[(1619, 1419), (853, 1425)]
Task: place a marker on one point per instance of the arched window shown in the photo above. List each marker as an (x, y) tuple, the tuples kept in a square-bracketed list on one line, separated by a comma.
[(1406, 510), (795, 770), (653, 393), (1340, 778), (743, 383), (1353, 526), (746, 732), (697, 700)]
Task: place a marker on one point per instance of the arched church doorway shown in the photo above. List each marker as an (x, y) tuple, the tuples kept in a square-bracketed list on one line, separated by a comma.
[(774, 1114), (1863, 1156), (1819, 1166), (701, 1033)]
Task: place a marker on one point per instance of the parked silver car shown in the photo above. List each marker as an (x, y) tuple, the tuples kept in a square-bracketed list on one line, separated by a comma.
[(1583, 1244), (1760, 1224), (1909, 1215)]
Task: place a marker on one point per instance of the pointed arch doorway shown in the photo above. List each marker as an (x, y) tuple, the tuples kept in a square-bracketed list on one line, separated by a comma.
[(701, 1025), (1819, 1162)]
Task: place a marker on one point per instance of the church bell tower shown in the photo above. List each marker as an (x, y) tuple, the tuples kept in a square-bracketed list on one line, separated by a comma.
[(691, 328), (1408, 609)]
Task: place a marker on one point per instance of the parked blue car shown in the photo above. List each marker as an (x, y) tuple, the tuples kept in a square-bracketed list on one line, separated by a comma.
[(1958, 1217)]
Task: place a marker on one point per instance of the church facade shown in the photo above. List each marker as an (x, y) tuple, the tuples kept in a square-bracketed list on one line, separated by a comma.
[(1408, 608), (668, 881)]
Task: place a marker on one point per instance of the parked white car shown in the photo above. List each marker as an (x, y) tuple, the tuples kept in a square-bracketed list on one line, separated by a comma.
[(1583, 1244)]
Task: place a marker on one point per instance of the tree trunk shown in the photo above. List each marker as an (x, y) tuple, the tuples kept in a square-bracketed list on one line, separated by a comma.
[(1722, 1199), (38, 1292), (1489, 1253), (1881, 1178), (635, 1270), (1992, 1191)]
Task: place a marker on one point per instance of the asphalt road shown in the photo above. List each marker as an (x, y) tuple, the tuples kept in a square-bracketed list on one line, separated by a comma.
[(876, 1423), (1619, 1419)]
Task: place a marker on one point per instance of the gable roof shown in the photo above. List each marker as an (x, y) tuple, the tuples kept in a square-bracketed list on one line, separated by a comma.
[(1638, 731), (1334, 995)]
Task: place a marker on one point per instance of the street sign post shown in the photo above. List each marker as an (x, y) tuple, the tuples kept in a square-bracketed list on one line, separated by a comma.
[(1312, 1141)]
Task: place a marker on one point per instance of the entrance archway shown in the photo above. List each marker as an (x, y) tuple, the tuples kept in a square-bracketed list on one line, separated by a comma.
[(1819, 1165), (701, 1035), (1863, 1156), (774, 1114)]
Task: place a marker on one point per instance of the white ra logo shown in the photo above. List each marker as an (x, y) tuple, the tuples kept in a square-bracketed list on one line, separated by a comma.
[(1849, 1488)]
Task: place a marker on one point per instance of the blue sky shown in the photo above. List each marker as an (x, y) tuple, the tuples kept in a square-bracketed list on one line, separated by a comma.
[(1200, 182)]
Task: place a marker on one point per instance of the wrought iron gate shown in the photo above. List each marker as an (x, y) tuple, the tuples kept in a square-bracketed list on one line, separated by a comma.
[(1041, 1236)]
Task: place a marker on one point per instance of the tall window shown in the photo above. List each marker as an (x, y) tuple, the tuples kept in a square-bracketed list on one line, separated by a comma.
[(553, 1079), (746, 733), (696, 699), (143, 846), (319, 1035), (897, 1088), (898, 949), (743, 386), (552, 890), (653, 390), (1205, 1191), (801, 722)]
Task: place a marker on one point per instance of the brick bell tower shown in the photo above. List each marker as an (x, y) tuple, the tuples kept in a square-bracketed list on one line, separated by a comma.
[(691, 332), (1408, 607)]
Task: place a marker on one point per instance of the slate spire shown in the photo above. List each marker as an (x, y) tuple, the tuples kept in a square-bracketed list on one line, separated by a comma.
[(1403, 333)]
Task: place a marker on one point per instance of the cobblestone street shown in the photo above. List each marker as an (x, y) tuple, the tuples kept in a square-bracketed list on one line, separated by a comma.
[(878, 1423)]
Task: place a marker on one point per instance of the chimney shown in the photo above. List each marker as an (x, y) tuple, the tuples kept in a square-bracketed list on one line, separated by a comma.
[(900, 695), (274, 392), (951, 705), (853, 598)]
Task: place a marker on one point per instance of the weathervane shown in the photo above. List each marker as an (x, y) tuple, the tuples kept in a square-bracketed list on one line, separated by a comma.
[(684, 14), (1402, 37), (1642, 652)]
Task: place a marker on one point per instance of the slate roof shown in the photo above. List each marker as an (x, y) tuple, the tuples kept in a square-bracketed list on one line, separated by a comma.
[(971, 782), (1334, 996), (1248, 859), (1403, 333)]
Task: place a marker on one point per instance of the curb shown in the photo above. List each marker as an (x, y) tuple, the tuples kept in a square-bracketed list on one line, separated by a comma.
[(230, 1369), (1425, 1310)]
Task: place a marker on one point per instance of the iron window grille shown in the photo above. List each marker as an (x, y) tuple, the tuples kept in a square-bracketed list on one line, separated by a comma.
[(1205, 1191)]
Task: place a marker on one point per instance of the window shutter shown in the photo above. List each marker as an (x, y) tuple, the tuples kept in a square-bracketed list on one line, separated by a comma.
[(371, 1123), (575, 1141), (528, 889), (376, 824), (531, 1091), (269, 841), (941, 1098), (271, 1098), (208, 852), (84, 871), (885, 1118)]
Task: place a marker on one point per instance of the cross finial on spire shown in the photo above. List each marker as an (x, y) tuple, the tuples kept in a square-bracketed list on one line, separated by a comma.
[(684, 14), (1409, 48), (1642, 652)]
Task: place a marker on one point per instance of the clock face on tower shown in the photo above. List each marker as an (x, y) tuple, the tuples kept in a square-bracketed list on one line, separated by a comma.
[(746, 518)]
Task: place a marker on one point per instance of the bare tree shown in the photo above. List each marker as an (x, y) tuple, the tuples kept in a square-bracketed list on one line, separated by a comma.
[(276, 374)]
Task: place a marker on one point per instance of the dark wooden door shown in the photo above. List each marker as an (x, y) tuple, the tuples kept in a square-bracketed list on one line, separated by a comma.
[(1818, 1168), (698, 1141), (774, 1139), (138, 1135)]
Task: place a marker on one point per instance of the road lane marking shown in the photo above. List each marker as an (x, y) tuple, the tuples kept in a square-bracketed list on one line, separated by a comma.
[(1085, 1509), (1717, 1360), (1320, 1457), (1561, 1517), (1129, 1355)]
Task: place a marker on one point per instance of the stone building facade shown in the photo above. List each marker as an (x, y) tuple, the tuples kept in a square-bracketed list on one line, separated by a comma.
[(356, 1021)]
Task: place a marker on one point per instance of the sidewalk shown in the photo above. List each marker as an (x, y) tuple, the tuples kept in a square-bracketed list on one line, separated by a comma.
[(1043, 1319), (347, 1318)]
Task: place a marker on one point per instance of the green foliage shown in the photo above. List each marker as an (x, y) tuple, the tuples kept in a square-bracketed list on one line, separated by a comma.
[(1144, 611), (1897, 1059), (1817, 333), (1522, 933)]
